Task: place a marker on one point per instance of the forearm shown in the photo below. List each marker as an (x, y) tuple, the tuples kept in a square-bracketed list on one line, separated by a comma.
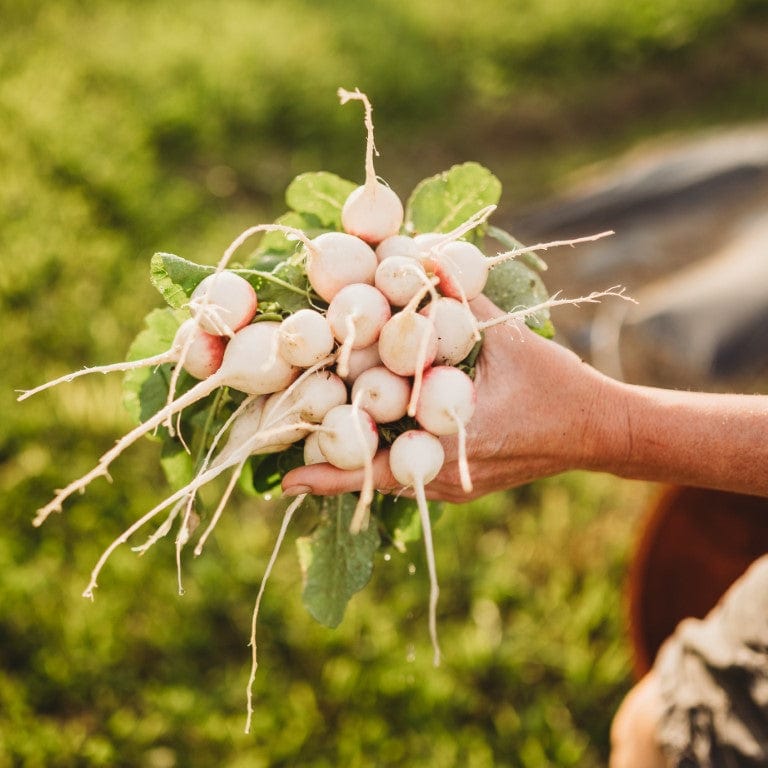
[(691, 438)]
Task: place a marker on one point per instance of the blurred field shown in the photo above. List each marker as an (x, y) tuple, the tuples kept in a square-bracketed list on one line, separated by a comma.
[(127, 128)]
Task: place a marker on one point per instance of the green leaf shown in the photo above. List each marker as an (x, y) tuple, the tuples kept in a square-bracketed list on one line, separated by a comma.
[(262, 474), (289, 289), (321, 194), (275, 246), (335, 563), (400, 519), (177, 464), (145, 390), (443, 202), (175, 277), (513, 285)]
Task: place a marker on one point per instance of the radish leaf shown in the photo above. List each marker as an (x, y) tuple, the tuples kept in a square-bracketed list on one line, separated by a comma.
[(334, 562), (321, 194)]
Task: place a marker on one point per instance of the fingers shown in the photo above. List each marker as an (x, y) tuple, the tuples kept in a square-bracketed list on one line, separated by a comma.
[(327, 480)]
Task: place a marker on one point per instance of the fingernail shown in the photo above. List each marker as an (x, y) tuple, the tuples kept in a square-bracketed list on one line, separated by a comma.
[(296, 490)]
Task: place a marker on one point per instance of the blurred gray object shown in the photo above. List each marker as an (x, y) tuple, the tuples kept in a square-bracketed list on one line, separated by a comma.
[(691, 245)]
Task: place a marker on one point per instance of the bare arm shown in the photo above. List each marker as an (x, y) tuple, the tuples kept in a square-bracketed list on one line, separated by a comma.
[(542, 411)]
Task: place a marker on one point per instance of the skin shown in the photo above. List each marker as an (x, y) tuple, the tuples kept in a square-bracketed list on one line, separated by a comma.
[(562, 414), (566, 415)]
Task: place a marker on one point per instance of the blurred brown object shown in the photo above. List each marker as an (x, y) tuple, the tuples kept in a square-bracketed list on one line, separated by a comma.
[(693, 545)]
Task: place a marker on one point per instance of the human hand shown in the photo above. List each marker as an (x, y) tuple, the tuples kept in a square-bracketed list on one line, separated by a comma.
[(539, 412)]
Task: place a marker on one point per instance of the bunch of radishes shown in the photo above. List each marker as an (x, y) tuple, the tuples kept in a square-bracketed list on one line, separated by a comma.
[(373, 353)]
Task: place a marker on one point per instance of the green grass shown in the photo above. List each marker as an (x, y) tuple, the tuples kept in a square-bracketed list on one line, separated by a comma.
[(127, 128)]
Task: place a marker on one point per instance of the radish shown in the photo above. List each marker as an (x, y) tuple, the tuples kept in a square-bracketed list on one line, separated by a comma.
[(349, 439), (415, 459), (360, 360), (340, 442), (445, 406), (305, 338), (400, 278), (336, 259), (408, 342), (398, 245), (312, 452), (356, 315), (223, 303), (203, 356), (251, 364), (383, 395), (456, 328), (373, 211), (463, 268)]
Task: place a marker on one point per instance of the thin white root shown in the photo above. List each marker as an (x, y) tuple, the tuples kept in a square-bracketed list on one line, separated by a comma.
[(434, 589), (593, 298), (362, 514), (246, 234), (219, 509), (475, 220), (163, 530), (466, 479), (169, 356), (193, 395), (370, 146), (287, 516), (345, 350), (494, 260), (189, 522)]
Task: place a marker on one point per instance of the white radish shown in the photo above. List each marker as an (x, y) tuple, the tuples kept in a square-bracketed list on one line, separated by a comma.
[(398, 245), (360, 360), (463, 268), (251, 364), (305, 338), (456, 328), (311, 399), (445, 406), (415, 459), (203, 357), (382, 394), (223, 303), (312, 452), (336, 259), (373, 211), (402, 339), (348, 437), (400, 278), (356, 315)]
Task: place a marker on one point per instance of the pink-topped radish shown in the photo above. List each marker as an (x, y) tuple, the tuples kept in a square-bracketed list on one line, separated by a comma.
[(356, 316), (382, 394), (223, 303), (373, 211), (336, 259), (415, 459), (445, 406), (201, 351), (251, 364)]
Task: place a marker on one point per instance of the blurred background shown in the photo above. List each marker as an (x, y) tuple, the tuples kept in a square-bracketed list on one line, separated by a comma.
[(132, 127)]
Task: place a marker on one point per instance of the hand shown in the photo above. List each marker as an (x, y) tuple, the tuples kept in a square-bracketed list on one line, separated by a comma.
[(534, 417)]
